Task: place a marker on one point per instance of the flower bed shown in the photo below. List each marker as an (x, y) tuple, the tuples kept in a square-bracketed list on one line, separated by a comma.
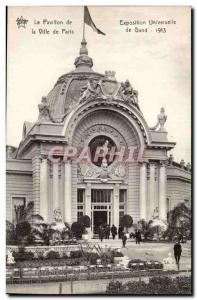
[(90, 257), (36, 263), (138, 264)]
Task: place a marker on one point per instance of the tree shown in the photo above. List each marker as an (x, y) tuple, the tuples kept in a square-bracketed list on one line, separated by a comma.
[(10, 233), (145, 228), (23, 212), (25, 221), (23, 229), (77, 229), (85, 222), (126, 221), (179, 221), (23, 233)]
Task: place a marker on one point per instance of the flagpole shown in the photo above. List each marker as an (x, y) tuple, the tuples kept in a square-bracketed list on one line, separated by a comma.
[(83, 23)]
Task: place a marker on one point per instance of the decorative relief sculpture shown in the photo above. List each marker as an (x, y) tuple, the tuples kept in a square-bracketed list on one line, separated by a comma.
[(91, 91), (110, 75), (87, 170), (105, 129), (104, 171), (115, 171), (43, 110), (83, 60), (118, 171), (128, 94), (108, 89), (161, 119)]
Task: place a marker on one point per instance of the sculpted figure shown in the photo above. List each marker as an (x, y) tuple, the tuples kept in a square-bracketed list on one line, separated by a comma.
[(57, 215), (43, 110), (129, 94), (127, 88), (105, 151), (156, 213), (10, 258), (104, 165), (161, 119), (90, 90)]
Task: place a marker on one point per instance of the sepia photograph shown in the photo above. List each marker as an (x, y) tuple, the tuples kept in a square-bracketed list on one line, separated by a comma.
[(98, 150)]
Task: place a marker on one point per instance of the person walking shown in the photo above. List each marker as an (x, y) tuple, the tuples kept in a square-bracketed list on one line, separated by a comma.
[(101, 233), (120, 231), (138, 236), (124, 240), (107, 231), (113, 231), (177, 252), (180, 237)]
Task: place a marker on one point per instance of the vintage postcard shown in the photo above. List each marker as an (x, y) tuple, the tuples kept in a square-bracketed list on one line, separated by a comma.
[(98, 170)]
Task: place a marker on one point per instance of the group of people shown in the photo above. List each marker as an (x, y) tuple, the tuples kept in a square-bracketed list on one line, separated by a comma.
[(105, 230)]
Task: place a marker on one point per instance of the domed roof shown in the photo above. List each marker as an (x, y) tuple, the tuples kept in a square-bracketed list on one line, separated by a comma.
[(80, 85)]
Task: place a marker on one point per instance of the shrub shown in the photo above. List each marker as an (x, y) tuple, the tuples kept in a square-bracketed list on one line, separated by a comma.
[(52, 254), (64, 255), (136, 264), (23, 229), (156, 286), (117, 254), (85, 221), (76, 254), (142, 265), (91, 257), (115, 287), (23, 255), (126, 221), (107, 258), (77, 229), (154, 265)]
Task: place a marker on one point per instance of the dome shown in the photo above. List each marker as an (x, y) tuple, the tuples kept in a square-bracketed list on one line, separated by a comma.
[(80, 85)]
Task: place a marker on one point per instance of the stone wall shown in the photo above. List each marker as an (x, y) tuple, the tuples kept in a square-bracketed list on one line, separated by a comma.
[(178, 191), (178, 185)]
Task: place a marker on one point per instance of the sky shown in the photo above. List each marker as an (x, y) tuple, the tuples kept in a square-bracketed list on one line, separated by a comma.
[(157, 62)]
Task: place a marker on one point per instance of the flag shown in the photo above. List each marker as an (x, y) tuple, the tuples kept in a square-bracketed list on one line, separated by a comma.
[(88, 21)]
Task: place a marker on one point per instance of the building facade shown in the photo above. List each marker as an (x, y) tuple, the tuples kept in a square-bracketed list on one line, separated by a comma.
[(55, 166)]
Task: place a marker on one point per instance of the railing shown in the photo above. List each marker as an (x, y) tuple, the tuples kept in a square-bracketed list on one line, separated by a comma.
[(71, 273), (42, 249)]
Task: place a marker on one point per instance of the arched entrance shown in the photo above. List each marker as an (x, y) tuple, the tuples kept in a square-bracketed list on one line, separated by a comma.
[(107, 194)]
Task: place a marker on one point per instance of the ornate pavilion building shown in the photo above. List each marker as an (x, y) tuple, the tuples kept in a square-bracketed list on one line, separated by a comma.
[(89, 109)]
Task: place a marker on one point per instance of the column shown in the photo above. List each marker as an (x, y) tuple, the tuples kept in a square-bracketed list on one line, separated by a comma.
[(88, 207), (55, 186), (162, 192), (67, 192), (36, 183), (115, 206), (143, 183), (44, 189), (151, 191)]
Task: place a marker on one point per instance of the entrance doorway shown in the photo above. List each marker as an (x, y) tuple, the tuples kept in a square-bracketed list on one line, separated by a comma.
[(100, 218)]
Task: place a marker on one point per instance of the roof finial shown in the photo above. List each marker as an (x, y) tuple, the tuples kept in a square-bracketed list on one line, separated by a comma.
[(83, 49), (83, 61)]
